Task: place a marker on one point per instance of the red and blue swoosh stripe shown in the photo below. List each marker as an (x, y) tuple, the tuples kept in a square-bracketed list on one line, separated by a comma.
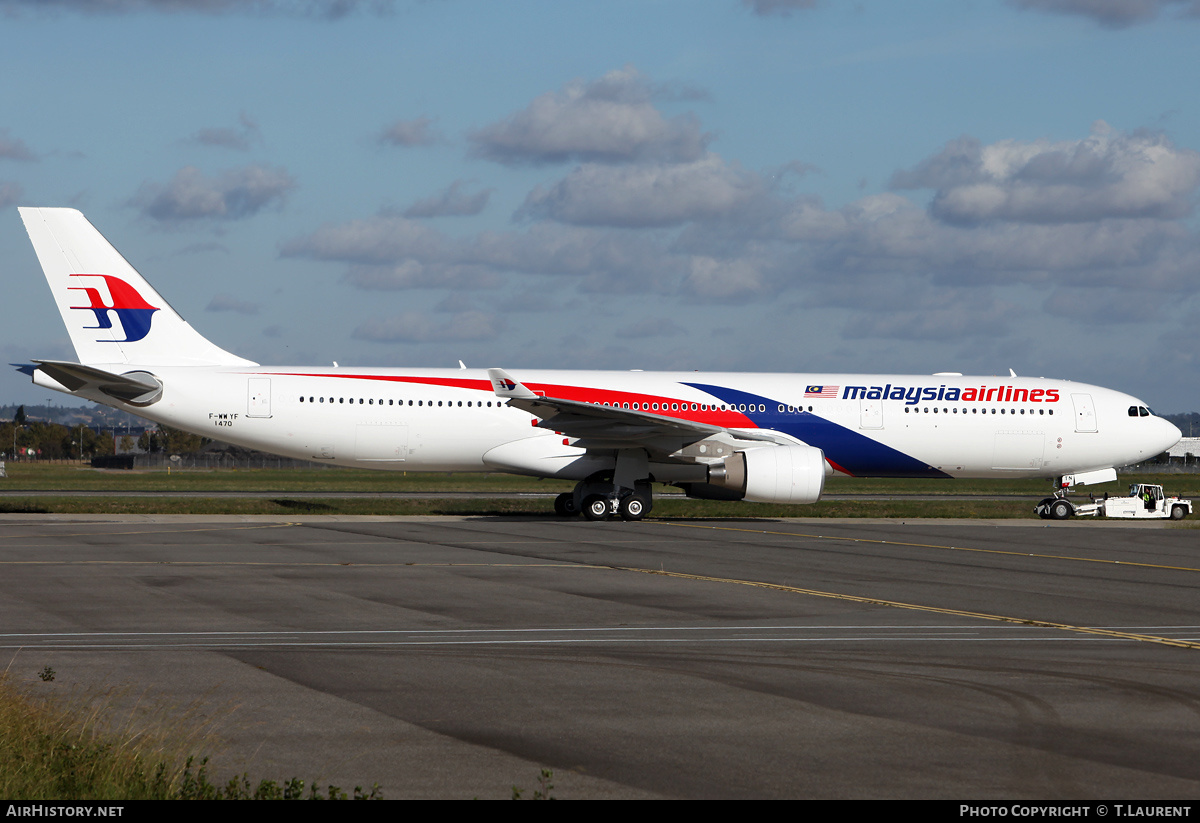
[(846, 450)]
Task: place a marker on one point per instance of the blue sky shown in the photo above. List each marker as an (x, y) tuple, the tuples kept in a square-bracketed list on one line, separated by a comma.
[(969, 185)]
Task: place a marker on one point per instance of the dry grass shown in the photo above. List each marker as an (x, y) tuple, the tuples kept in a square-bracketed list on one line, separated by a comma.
[(107, 746), (118, 746)]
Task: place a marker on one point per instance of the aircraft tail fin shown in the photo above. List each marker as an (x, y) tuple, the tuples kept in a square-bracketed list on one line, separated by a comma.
[(111, 313)]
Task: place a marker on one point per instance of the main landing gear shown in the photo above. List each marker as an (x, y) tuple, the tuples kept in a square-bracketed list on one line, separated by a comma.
[(601, 500)]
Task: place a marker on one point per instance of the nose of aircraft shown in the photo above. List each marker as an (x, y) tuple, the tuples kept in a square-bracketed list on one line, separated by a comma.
[(1166, 434)]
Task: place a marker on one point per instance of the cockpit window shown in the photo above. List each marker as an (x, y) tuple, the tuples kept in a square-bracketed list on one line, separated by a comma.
[(1140, 411)]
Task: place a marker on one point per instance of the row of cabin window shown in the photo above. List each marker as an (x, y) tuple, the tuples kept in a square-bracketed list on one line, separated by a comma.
[(976, 411), (370, 401), (680, 406), (655, 406), (740, 407), (639, 406)]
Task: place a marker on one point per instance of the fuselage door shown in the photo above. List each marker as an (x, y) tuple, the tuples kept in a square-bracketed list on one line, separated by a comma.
[(258, 400), (1085, 413), (871, 414)]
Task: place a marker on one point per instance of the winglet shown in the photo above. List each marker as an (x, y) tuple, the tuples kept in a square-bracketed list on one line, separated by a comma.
[(505, 386)]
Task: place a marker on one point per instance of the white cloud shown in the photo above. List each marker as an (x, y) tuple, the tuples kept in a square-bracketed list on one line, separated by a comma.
[(414, 327), (781, 8), (729, 280), (391, 252), (232, 195), (10, 194), (651, 326), (410, 133), (12, 148), (646, 195), (938, 314), (382, 239), (889, 233), (328, 9), (883, 267), (1090, 304), (450, 202), (1111, 13), (412, 274), (1107, 174), (227, 302), (239, 138), (608, 120)]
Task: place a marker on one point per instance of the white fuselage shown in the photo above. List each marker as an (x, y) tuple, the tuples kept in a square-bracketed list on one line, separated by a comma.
[(866, 425)]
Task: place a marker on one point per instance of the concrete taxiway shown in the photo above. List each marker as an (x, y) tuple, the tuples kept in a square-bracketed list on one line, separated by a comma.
[(457, 657)]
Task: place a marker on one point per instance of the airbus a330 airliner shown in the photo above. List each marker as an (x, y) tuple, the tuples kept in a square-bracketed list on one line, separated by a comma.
[(759, 437)]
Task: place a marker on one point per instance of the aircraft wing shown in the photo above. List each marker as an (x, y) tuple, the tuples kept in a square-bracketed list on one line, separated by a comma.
[(608, 427)]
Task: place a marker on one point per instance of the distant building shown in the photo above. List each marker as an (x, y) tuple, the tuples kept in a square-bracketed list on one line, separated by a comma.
[(1187, 449)]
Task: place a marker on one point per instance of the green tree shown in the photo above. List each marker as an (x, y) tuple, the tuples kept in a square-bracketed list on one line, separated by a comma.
[(171, 441), (150, 441), (85, 438), (48, 439), (181, 442)]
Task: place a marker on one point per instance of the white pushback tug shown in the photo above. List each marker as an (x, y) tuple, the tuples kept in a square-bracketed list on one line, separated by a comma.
[(1146, 501)]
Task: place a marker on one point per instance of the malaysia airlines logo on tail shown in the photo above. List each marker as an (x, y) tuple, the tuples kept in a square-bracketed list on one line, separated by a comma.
[(130, 307)]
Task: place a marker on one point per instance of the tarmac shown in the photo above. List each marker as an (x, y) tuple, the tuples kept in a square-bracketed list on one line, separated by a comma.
[(453, 657)]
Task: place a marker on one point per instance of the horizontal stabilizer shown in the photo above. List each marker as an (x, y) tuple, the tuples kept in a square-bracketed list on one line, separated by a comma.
[(137, 388)]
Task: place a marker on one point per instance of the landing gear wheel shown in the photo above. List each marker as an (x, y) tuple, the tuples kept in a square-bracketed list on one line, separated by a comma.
[(1061, 510), (1178, 513), (564, 505), (633, 507), (595, 507)]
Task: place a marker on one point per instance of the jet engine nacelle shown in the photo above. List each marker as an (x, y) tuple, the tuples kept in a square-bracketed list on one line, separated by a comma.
[(770, 474), (784, 474)]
